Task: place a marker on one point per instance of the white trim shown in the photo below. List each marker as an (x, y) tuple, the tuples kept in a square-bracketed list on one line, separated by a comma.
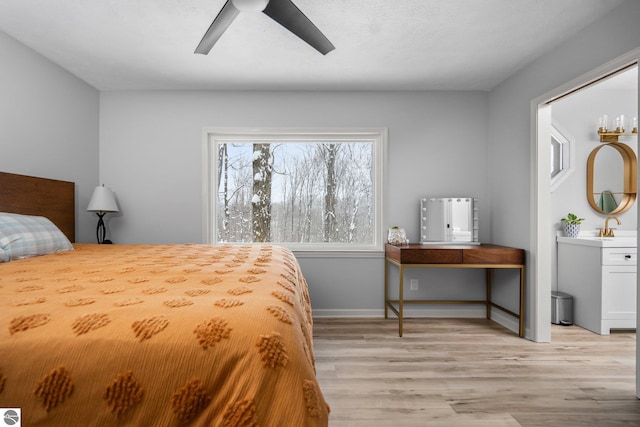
[(540, 263), (336, 313), (433, 312), (462, 313), (324, 253), (379, 135), (206, 188), (506, 320), (568, 154)]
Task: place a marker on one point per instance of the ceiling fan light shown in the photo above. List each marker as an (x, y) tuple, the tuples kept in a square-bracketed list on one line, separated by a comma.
[(250, 5)]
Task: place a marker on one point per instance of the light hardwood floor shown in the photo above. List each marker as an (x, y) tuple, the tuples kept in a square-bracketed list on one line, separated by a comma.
[(473, 372)]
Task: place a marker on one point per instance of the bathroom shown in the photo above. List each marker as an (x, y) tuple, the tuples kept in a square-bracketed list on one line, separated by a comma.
[(576, 119)]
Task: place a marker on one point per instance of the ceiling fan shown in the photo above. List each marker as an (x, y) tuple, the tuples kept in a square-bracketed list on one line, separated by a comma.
[(284, 12)]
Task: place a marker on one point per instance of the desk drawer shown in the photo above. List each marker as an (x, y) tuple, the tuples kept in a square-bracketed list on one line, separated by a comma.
[(619, 256), (432, 256), (494, 255)]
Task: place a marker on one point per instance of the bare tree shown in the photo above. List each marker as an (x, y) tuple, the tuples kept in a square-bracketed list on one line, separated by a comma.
[(305, 192), (330, 222), (261, 200), (223, 169)]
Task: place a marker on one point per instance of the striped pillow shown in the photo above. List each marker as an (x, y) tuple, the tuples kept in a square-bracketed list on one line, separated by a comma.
[(25, 236)]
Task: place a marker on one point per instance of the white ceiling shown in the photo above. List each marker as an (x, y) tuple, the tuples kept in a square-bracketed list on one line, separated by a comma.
[(380, 44)]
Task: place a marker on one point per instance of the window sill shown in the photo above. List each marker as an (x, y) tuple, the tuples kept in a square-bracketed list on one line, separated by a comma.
[(339, 254)]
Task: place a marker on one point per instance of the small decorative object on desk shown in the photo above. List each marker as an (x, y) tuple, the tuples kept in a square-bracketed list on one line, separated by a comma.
[(397, 236), (571, 225)]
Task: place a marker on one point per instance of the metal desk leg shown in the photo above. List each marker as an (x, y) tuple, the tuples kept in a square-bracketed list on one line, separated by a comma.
[(521, 331), (401, 301), (386, 288), (488, 277)]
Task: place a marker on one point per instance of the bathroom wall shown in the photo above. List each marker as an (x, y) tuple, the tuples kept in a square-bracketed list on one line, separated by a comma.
[(577, 117)]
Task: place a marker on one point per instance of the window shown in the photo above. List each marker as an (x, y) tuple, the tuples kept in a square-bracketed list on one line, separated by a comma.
[(556, 157), (304, 189), (561, 155)]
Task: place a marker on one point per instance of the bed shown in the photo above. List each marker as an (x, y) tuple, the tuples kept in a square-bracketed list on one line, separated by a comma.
[(151, 335)]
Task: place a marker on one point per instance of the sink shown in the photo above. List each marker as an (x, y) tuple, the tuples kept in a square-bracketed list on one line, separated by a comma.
[(603, 242)]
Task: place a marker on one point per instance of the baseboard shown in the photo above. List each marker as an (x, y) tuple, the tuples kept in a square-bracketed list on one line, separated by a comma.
[(336, 313), (467, 312), (505, 320)]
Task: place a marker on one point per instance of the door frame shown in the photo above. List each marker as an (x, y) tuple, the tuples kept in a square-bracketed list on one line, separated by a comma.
[(540, 191)]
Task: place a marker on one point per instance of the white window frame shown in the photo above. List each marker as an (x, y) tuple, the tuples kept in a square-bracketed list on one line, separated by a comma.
[(213, 136), (567, 144)]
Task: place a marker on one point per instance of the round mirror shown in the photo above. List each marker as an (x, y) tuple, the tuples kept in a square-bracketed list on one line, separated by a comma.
[(611, 178)]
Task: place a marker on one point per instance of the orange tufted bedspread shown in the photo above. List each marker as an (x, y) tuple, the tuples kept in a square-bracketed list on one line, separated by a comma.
[(159, 335)]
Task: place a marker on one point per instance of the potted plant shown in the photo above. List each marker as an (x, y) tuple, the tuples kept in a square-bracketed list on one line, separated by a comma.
[(571, 225)]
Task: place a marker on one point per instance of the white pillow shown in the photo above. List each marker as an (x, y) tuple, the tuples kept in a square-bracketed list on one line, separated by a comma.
[(25, 236)]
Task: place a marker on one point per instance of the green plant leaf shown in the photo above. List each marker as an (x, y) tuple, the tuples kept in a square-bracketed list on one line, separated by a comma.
[(572, 219)]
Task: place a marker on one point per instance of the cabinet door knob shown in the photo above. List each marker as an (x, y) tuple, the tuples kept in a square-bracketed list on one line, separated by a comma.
[(627, 257)]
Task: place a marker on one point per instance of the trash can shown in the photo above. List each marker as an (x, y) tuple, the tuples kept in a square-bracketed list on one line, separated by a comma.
[(561, 308)]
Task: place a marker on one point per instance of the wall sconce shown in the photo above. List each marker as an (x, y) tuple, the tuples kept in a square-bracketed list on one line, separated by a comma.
[(612, 136), (101, 202)]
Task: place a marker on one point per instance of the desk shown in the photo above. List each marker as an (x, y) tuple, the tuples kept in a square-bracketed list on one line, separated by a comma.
[(489, 257)]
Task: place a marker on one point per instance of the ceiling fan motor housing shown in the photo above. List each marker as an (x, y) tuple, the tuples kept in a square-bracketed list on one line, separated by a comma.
[(250, 5), (284, 12)]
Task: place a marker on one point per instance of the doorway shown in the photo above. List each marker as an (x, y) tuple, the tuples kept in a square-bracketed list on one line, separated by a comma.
[(575, 119), (541, 238)]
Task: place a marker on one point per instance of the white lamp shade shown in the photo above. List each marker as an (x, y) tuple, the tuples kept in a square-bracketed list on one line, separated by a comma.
[(102, 200)]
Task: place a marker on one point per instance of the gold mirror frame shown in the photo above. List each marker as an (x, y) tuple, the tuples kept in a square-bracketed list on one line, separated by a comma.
[(630, 177)]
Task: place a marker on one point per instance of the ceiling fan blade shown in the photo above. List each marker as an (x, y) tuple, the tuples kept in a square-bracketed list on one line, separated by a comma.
[(217, 28), (285, 13)]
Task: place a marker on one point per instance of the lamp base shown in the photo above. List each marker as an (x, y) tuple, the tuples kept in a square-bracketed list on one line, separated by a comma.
[(101, 232)]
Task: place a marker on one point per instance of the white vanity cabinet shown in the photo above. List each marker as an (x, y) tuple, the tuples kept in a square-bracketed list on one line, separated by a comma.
[(600, 274)]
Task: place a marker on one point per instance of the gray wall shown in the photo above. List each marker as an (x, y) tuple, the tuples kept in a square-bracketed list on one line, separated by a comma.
[(48, 125), (510, 128), (151, 157)]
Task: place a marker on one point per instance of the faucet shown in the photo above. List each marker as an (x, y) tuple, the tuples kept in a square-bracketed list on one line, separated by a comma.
[(608, 232)]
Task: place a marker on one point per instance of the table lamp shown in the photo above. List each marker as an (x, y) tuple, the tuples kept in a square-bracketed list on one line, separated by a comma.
[(101, 202)]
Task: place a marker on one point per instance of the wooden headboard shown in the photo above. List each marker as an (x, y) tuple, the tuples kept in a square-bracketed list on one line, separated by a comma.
[(50, 198)]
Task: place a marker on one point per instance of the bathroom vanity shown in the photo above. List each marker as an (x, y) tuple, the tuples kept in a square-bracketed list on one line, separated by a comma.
[(600, 274)]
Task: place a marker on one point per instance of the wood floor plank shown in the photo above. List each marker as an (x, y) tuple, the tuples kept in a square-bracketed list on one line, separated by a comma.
[(473, 372)]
